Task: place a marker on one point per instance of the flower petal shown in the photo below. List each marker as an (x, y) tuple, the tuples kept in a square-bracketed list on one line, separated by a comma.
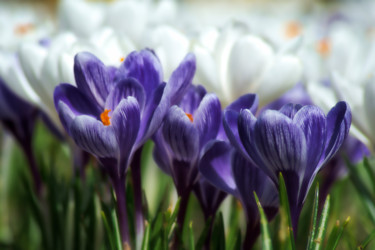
[(247, 101), (193, 97), (92, 136), (75, 101), (122, 90), (92, 77), (312, 121), (181, 135), (125, 121), (180, 79), (281, 144), (143, 66), (208, 118), (290, 109), (215, 166)]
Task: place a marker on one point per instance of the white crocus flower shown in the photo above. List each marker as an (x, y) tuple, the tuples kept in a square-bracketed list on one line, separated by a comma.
[(81, 17), (238, 62), (46, 67), (169, 44)]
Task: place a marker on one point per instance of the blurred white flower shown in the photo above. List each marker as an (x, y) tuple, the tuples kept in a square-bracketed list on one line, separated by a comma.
[(234, 62), (41, 69)]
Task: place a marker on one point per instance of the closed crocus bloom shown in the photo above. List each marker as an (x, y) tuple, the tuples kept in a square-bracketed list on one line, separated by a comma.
[(180, 141), (295, 141), (112, 112), (241, 62)]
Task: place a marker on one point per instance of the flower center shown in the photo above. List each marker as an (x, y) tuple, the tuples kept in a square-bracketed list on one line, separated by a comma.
[(122, 59), (323, 47), (105, 117), (190, 116), (293, 29), (22, 29)]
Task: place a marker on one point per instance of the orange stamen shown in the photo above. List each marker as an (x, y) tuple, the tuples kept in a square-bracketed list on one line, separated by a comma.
[(293, 29), (122, 59), (323, 47), (22, 29), (190, 116), (105, 117)]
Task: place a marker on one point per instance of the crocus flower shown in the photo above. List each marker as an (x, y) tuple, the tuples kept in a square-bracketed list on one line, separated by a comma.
[(179, 142), (18, 117), (295, 141), (112, 112), (225, 168), (236, 61)]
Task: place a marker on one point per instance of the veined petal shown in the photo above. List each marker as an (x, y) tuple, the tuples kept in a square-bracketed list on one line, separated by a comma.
[(92, 136), (122, 90), (281, 144), (91, 77), (312, 121), (180, 79), (247, 101), (74, 103), (207, 118), (290, 109), (338, 124), (161, 153), (126, 121), (193, 97), (181, 135), (215, 166), (143, 66)]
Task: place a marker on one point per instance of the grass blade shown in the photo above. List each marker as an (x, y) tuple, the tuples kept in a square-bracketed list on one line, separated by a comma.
[(285, 210), (146, 237), (314, 218), (191, 237), (318, 240), (266, 239), (367, 240), (336, 234)]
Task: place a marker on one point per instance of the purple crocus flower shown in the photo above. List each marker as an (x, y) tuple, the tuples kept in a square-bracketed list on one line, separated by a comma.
[(179, 142), (112, 112), (18, 117), (225, 168), (295, 141)]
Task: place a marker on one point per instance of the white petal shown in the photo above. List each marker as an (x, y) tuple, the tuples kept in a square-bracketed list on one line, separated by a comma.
[(279, 76), (248, 59), (369, 107)]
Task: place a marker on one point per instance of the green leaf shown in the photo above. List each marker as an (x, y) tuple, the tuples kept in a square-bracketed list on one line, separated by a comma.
[(191, 237), (367, 240), (285, 210), (266, 239), (318, 240), (362, 190), (314, 218), (109, 231), (116, 232), (146, 237), (336, 234), (172, 218), (218, 233), (370, 173)]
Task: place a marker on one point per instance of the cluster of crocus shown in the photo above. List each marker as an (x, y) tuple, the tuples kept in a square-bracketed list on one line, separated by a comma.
[(107, 87)]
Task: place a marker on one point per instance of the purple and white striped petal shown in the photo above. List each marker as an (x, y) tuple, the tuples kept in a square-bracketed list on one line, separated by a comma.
[(290, 109), (125, 121), (181, 135), (92, 136), (92, 77)]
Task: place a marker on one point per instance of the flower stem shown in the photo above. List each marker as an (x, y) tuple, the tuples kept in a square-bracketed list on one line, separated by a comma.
[(181, 219), (137, 186), (119, 187), (27, 148)]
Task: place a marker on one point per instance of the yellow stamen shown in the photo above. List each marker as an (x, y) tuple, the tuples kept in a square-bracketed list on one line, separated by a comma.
[(105, 117), (22, 29), (293, 29), (122, 59), (323, 47), (190, 116)]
